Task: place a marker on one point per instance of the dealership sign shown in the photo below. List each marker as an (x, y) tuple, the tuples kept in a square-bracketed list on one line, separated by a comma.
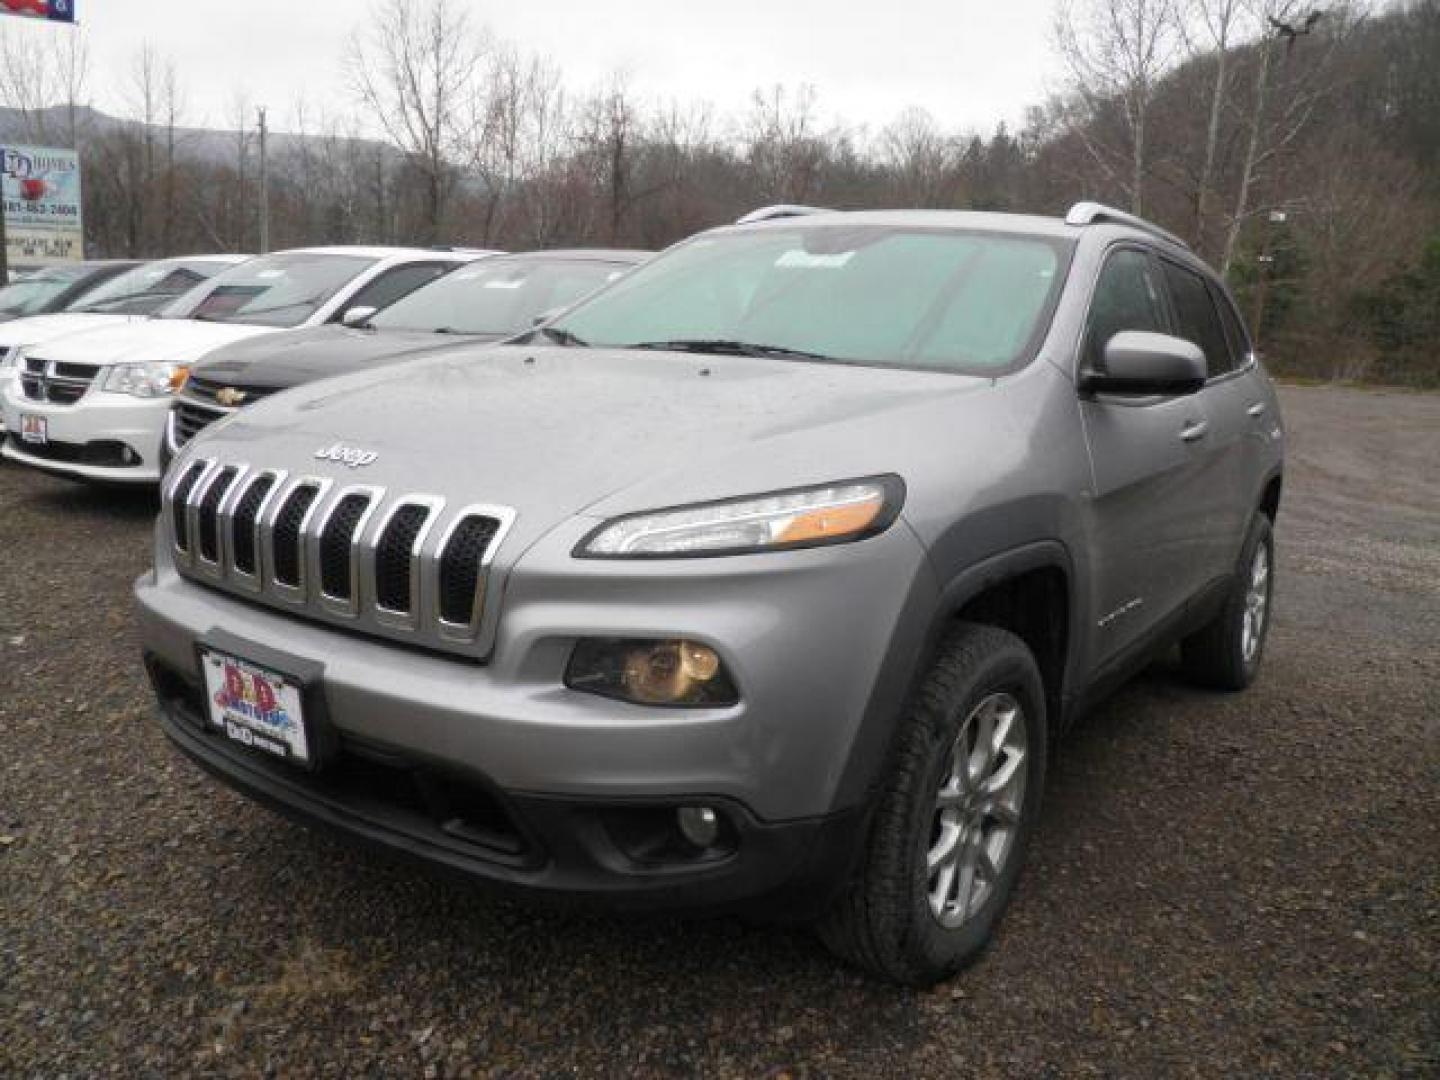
[(42, 204), (54, 10)]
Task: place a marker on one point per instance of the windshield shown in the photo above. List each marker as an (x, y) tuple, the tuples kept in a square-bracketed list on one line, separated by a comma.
[(274, 290), (31, 294), (879, 295), (145, 288), (497, 296)]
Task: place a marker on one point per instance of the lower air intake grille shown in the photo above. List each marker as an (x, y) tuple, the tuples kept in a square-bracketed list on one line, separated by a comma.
[(460, 567), (337, 552), (393, 557), (287, 539)]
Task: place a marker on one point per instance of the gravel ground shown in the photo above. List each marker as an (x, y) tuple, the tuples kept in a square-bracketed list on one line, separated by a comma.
[(1231, 885)]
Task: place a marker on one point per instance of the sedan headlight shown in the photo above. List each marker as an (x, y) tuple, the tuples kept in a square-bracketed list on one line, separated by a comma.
[(805, 517), (146, 380)]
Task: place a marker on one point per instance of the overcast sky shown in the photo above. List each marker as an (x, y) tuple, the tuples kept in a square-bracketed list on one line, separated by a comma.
[(971, 63)]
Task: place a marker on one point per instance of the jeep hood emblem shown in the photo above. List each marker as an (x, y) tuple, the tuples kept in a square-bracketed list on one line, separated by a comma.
[(346, 455)]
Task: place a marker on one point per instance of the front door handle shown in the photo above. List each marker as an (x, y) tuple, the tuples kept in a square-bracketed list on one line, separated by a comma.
[(1195, 429), (1257, 410)]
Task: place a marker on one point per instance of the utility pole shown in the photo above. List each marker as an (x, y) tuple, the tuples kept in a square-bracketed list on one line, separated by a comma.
[(1290, 34), (264, 187)]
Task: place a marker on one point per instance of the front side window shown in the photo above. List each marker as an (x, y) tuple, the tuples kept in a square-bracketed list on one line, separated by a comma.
[(1127, 297), (146, 288), (274, 290), (1196, 319), (497, 297), (879, 295)]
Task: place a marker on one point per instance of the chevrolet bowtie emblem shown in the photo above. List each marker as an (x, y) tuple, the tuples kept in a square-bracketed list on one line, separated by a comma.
[(230, 397)]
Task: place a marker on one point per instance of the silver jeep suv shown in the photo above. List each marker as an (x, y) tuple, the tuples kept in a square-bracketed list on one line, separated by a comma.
[(763, 579)]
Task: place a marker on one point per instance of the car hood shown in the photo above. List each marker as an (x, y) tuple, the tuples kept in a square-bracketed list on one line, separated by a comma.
[(39, 329), (278, 361), (555, 432), (175, 341)]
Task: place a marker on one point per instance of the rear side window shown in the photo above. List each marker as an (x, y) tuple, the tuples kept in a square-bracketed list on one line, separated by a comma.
[(1127, 297), (1234, 329), (1196, 319)]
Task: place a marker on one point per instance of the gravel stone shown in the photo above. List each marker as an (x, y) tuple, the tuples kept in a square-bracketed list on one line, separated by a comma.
[(1239, 885)]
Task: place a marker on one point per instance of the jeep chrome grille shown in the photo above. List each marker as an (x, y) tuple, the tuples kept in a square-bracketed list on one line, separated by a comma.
[(396, 565)]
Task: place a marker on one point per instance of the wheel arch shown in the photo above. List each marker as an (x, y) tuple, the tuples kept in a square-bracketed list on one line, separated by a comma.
[(1029, 590)]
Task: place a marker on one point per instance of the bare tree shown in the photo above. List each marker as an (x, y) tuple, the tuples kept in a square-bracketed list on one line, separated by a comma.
[(413, 70), (920, 159), (1116, 52), (1210, 29)]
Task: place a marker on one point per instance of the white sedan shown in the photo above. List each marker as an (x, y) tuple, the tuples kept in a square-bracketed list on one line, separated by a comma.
[(92, 405)]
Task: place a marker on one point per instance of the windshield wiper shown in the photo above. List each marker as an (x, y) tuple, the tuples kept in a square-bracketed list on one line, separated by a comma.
[(726, 347), (562, 337)]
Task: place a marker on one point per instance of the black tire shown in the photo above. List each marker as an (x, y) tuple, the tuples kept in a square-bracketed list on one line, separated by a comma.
[(1215, 655), (883, 920)]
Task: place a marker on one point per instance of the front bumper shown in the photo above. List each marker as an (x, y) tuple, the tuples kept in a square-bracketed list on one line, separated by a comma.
[(106, 437), (576, 778), (598, 852)]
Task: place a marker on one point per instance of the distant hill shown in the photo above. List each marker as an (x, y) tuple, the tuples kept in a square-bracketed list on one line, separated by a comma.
[(203, 144)]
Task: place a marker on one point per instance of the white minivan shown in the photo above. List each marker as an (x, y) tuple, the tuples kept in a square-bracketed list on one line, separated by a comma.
[(92, 405)]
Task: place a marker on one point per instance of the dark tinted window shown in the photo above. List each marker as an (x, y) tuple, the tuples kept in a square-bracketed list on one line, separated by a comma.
[(393, 284), (1127, 297), (1234, 330), (1196, 319)]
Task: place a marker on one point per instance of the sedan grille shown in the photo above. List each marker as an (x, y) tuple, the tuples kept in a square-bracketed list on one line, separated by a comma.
[(400, 566)]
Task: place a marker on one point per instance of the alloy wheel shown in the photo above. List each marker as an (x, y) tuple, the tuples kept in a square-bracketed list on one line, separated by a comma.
[(977, 809)]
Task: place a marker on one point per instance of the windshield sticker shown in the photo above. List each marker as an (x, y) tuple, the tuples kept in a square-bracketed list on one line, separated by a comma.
[(803, 259), (513, 283)]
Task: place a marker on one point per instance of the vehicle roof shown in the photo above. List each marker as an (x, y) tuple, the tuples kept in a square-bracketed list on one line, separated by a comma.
[(616, 255), (976, 220), (220, 256), (373, 251)]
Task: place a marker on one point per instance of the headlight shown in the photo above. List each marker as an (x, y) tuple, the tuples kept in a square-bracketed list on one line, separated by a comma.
[(146, 380), (806, 517)]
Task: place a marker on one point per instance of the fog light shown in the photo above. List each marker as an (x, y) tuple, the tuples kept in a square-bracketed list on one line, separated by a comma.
[(668, 672), (698, 824)]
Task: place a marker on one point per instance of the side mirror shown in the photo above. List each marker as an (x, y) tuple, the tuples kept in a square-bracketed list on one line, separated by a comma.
[(358, 317), (1141, 362)]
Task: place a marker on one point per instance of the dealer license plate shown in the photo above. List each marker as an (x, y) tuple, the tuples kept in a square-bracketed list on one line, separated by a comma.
[(34, 429), (255, 707)]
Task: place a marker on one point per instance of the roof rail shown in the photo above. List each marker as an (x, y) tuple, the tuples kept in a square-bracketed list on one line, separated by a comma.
[(1089, 213), (781, 210)]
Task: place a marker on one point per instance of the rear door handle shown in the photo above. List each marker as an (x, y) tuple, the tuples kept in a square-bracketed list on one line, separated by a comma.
[(1257, 410), (1196, 429)]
